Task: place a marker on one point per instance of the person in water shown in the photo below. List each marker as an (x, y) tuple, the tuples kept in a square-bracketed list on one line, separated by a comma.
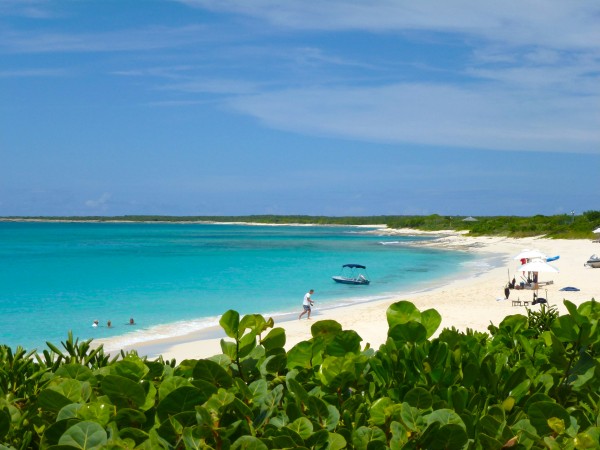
[(131, 322), (109, 324), (306, 304)]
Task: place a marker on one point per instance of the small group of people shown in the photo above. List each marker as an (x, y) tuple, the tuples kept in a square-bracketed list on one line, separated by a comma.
[(95, 323)]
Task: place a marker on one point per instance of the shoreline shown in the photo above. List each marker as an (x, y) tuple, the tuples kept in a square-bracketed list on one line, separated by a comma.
[(464, 302)]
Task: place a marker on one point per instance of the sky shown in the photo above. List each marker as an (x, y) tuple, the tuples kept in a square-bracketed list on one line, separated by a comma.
[(337, 107)]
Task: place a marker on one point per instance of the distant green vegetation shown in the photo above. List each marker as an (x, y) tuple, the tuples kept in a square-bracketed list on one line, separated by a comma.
[(563, 226)]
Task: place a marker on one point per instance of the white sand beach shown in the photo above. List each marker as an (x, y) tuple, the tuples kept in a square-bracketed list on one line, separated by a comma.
[(470, 302)]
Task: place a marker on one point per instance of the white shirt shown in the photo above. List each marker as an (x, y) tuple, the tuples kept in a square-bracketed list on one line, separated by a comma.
[(307, 301)]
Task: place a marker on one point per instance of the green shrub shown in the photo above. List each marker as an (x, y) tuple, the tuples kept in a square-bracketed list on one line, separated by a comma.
[(532, 383)]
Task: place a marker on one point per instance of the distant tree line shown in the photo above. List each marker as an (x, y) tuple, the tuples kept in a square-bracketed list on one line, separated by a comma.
[(563, 226)]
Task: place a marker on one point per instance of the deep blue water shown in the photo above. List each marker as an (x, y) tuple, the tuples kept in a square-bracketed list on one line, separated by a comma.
[(175, 278)]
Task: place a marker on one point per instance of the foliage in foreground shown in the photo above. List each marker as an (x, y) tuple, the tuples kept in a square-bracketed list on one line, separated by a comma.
[(532, 383)]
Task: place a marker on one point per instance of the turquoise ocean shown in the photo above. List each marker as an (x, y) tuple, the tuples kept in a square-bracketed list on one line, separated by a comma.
[(177, 278)]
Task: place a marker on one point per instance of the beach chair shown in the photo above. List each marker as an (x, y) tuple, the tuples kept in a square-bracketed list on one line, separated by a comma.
[(517, 302)]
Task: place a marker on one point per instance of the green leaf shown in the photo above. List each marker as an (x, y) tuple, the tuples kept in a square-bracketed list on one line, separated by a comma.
[(445, 417), (274, 339), (377, 412), (300, 355), (336, 441), (302, 426), (411, 417), (170, 384), (127, 417), (76, 372), (123, 391), (419, 398), (408, 332), (52, 400), (362, 436), (431, 320), (326, 329), (84, 435), (213, 373), (132, 367), (4, 423), (248, 443), (402, 312), (540, 414), (229, 348), (184, 398), (230, 322), (246, 344), (344, 342)]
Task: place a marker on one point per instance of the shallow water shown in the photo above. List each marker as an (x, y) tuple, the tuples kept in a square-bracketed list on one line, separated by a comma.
[(176, 278)]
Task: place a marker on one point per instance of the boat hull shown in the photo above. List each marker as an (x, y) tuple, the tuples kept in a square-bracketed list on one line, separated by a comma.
[(595, 263), (344, 280)]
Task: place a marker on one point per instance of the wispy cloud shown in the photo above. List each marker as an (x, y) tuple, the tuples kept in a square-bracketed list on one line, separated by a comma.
[(434, 114), (149, 38), (100, 203), (26, 73)]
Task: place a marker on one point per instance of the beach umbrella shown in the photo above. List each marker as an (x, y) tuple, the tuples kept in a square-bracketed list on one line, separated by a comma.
[(537, 266), (597, 230), (530, 254)]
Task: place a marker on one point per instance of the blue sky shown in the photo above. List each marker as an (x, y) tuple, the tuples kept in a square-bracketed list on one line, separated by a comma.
[(343, 107)]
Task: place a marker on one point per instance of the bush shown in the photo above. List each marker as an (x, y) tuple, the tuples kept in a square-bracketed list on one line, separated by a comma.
[(532, 384)]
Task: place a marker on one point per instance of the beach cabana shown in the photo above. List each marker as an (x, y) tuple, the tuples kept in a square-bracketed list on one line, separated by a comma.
[(533, 269)]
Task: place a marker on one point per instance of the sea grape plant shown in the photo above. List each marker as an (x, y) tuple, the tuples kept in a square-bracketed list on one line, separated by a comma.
[(530, 383)]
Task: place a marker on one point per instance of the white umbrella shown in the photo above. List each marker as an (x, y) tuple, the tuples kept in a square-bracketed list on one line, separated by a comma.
[(597, 230), (530, 254), (537, 266)]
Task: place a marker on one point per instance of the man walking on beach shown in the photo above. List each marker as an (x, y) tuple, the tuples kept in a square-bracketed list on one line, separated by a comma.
[(306, 304)]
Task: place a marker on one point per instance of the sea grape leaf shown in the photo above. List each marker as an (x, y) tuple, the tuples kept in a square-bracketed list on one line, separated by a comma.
[(336, 371), (565, 329), (431, 320), (402, 312), (419, 398), (123, 392), (336, 441), (326, 329), (300, 355), (136, 435), (170, 384), (541, 412), (298, 390), (132, 367), (76, 372), (4, 423), (408, 332), (445, 416), (230, 322), (377, 412), (229, 348), (411, 417), (248, 443), (347, 341), (85, 435), (274, 339), (69, 411), (219, 400), (362, 436), (52, 401), (96, 411), (302, 426), (213, 373), (246, 344), (184, 398), (74, 390), (128, 417)]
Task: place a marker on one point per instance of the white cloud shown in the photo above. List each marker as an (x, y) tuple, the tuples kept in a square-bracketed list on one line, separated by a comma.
[(435, 114), (557, 23), (99, 203)]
